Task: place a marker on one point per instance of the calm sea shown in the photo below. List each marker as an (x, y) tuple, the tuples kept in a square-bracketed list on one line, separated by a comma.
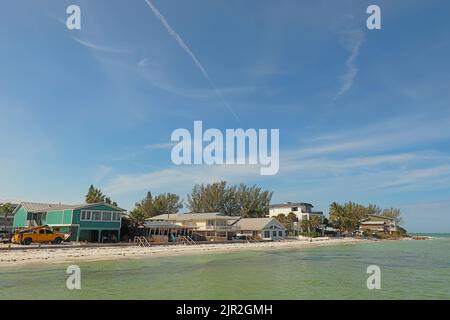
[(409, 270)]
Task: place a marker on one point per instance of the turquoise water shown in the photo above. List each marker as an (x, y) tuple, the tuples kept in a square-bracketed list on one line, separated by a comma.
[(409, 270)]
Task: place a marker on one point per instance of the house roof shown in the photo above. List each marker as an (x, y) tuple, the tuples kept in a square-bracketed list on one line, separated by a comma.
[(291, 204), (373, 222), (256, 224), (193, 216), (44, 207), (378, 217), (161, 224)]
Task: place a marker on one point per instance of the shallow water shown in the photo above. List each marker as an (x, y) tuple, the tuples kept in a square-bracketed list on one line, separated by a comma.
[(409, 270)]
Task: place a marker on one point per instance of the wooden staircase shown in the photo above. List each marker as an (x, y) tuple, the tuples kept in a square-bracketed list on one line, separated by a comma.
[(141, 241), (185, 240)]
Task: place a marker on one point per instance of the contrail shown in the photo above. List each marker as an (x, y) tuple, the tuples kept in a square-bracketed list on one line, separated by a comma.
[(184, 46)]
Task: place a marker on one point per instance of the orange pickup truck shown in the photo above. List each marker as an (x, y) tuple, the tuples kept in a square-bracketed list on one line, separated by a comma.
[(38, 234)]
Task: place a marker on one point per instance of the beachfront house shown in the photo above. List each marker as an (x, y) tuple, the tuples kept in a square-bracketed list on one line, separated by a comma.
[(97, 222), (376, 223), (261, 228), (206, 226), (302, 210)]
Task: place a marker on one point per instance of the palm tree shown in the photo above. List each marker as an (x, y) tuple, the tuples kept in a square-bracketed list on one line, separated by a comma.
[(315, 222), (336, 215), (306, 224), (292, 217)]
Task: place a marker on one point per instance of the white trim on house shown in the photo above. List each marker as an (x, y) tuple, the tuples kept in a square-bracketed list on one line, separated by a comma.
[(115, 215)]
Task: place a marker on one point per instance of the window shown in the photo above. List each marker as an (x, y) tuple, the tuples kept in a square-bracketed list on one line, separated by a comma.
[(274, 233), (294, 209), (266, 234), (100, 216), (49, 231), (106, 215), (96, 215), (280, 233), (41, 231)]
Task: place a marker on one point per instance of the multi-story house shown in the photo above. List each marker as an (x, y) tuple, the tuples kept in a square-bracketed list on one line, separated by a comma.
[(374, 223), (302, 210)]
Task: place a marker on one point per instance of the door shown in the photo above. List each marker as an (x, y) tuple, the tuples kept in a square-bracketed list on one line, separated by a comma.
[(41, 236)]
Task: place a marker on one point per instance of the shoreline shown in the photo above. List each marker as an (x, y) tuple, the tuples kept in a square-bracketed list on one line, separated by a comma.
[(13, 258)]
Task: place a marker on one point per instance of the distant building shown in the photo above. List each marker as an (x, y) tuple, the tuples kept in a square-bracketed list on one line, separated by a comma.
[(302, 210), (261, 228), (97, 222), (375, 223)]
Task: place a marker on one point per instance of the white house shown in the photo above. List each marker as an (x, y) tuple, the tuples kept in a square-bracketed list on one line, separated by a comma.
[(302, 210), (261, 228)]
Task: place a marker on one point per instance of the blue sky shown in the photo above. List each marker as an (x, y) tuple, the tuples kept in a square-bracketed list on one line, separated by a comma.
[(363, 115)]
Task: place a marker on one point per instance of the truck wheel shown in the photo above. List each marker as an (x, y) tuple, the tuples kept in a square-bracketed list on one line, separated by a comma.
[(27, 241), (57, 241)]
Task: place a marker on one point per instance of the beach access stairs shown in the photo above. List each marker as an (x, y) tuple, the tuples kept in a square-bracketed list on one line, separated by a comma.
[(141, 241), (186, 240)]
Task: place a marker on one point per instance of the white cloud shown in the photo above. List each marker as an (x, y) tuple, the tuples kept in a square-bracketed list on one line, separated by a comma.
[(353, 40), (143, 63), (159, 146), (180, 178), (185, 47), (100, 48)]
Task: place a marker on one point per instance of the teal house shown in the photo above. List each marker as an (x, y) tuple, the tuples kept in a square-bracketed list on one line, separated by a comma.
[(97, 222)]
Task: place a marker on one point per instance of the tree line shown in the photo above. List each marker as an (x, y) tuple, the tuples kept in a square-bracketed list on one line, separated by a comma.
[(234, 200), (347, 217)]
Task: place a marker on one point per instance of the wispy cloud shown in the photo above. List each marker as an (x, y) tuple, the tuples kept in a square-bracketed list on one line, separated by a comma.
[(420, 175), (143, 63), (185, 47), (353, 41), (180, 178), (102, 172), (159, 146), (99, 48)]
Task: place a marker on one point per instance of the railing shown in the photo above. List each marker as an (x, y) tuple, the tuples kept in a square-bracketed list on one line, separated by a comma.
[(186, 240), (219, 228), (141, 241)]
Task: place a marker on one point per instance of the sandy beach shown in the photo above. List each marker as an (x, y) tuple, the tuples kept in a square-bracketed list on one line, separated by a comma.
[(26, 256)]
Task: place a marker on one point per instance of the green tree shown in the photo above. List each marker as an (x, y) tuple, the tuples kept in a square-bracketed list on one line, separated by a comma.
[(315, 222), (7, 210), (211, 198), (108, 201), (240, 199), (284, 220), (393, 213), (373, 209), (305, 225), (347, 217), (95, 195), (166, 203), (137, 218)]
